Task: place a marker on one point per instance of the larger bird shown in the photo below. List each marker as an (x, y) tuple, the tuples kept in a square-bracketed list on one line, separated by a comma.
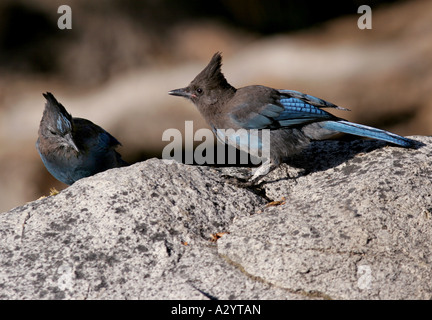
[(294, 118), (74, 148)]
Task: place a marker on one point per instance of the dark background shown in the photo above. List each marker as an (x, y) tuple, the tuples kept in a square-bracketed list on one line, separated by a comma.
[(31, 42)]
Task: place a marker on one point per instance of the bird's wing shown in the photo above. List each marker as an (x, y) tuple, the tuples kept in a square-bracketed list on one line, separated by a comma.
[(107, 139), (93, 135), (298, 112), (292, 108), (311, 100), (253, 116)]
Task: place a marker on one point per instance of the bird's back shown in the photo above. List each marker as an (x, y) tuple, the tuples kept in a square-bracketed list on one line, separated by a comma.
[(97, 146)]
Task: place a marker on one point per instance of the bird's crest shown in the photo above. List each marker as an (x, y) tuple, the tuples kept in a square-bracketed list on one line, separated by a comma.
[(57, 114), (211, 76)]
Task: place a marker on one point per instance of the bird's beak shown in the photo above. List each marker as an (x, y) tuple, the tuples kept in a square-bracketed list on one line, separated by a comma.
[(183, 92), (71, 142)]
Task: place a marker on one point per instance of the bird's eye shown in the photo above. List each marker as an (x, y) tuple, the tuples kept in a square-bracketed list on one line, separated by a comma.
[(199, 90), (53, 132)]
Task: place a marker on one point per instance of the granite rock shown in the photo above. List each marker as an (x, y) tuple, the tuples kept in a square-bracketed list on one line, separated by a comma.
[(344, 220)]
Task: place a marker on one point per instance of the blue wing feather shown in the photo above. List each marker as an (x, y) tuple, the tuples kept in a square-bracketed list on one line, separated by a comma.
[(290, 112), (298, 112), (314, 101), (250, 119)]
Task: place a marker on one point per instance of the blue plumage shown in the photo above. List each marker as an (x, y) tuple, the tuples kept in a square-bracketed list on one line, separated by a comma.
[(369, 132), (297, 111)]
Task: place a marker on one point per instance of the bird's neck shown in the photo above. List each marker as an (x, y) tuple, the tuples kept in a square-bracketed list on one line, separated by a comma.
[(212, 107), (229, 92)]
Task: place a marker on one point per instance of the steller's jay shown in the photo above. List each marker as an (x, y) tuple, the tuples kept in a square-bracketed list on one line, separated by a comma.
[(74, 148), (294, 118)]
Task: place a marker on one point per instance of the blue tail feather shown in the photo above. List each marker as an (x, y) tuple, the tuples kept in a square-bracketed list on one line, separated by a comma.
[(369, 132)]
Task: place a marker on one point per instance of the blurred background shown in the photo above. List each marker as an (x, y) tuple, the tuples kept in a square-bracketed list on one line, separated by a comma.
[(119, 60)]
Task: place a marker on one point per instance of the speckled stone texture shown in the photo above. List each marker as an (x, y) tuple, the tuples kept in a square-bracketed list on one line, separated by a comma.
[(347, 220)]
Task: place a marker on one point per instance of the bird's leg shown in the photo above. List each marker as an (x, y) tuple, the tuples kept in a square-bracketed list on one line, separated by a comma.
[(267, 167)]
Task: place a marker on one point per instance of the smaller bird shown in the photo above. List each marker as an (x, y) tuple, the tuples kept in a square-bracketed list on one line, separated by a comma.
[(294, 119), (74, 148)]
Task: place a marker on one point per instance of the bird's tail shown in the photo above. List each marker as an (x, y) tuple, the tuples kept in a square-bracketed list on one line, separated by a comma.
[(369, 132), (119, 161)]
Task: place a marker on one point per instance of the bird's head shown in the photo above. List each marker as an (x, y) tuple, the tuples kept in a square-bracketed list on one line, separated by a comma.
[(208, 86), (56, 126)]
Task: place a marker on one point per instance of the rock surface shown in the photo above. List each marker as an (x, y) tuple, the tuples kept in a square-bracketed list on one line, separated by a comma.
[(355, 224)]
